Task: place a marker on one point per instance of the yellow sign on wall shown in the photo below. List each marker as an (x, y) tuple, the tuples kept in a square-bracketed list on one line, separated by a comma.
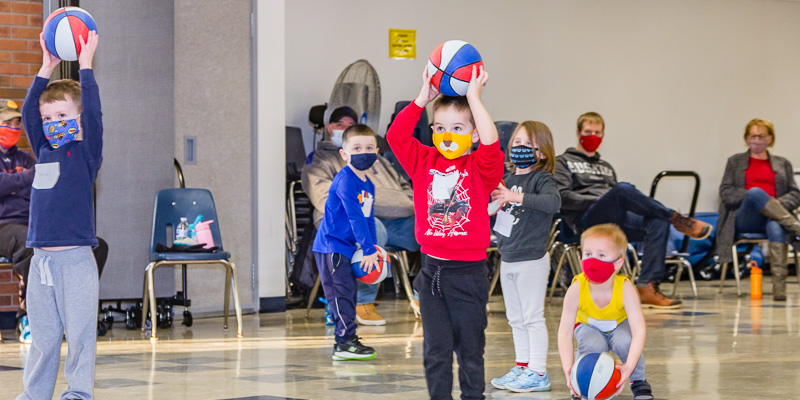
[(403, 43)]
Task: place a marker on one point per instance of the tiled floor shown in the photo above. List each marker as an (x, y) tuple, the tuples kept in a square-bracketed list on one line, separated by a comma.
[(716, 347)]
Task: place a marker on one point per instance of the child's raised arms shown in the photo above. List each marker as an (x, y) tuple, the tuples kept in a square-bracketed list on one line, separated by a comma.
[(88, 47), (428, 92), (487, 131)]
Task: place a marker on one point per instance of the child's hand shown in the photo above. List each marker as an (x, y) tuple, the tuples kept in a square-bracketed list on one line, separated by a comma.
[(476, 83), (368, 263), (428, 92), (506, 195), (625, 375), (88, 48), (569, 383), (49, 61)]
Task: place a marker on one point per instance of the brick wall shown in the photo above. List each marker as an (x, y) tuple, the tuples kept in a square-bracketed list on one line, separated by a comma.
[(20, 59)]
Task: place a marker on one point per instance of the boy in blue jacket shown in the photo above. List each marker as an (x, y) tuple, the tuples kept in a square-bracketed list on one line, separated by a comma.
[(64, 125), (348, 222)]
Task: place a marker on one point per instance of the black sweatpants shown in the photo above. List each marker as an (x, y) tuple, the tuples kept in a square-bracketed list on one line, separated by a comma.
[(452, 300)]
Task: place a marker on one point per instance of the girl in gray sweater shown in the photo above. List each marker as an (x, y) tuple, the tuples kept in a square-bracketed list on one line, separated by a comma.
[(530, 199)]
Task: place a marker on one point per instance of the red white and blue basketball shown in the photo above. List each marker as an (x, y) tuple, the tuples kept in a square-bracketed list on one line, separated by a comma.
[(450, 67), (594, 376), (378, 273), (61, 31)]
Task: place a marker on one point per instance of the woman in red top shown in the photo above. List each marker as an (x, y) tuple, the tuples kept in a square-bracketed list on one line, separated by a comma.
[(757, 191)]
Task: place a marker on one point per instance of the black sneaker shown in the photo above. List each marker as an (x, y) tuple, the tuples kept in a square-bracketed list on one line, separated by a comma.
[(641, 390), (353, 350)]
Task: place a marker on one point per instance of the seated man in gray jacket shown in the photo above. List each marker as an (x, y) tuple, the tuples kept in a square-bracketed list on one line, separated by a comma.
[(394, 206)]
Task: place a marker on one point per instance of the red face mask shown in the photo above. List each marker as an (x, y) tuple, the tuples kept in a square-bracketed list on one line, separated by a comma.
[(9, 136), (591, 143), (597, 271)]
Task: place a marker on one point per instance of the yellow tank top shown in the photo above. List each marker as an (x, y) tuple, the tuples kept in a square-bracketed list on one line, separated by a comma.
[(605, 319)]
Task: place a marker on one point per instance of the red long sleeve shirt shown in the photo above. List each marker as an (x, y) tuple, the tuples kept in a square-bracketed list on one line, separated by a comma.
[(451, 197)]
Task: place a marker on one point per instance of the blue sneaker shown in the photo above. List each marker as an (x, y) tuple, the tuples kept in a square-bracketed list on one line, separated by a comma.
[(530, 381), (24, 330), (501, 382)]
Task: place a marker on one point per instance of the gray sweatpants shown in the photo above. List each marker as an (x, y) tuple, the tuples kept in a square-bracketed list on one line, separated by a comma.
[(62, 300), (591, 340)]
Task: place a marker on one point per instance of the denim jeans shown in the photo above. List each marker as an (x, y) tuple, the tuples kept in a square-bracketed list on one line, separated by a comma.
[(642, 218), (750, 220), (397, 232), (389, 232)]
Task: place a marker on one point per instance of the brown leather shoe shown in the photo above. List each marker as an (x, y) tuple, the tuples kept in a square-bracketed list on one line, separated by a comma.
[(366, 315), (652, 297), (691, 227)]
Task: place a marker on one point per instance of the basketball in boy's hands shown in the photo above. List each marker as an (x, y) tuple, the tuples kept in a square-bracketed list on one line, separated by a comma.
[(378, 273), (594, 376), (450, 67), (62, 29)]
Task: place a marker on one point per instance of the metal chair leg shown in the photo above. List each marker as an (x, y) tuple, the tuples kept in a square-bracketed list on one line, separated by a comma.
[(154, 308), (402, 276), (736, 272), (146, 294), (312, 296), (688, 266), (558, 272), (227, 302), (237, 306), (722, 276), (677, 279)]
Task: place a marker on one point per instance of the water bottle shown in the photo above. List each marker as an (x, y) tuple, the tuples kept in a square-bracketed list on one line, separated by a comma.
[(182, 232), (756, 276)]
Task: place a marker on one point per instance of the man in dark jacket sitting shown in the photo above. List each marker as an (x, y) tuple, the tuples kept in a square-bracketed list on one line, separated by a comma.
[(590, 195)]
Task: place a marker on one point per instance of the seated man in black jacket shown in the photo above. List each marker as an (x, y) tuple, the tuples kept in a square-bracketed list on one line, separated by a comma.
[(590, 195)]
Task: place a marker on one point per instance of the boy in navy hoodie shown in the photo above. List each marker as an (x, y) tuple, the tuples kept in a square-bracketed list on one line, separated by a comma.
[(348, 222), (64, 126)]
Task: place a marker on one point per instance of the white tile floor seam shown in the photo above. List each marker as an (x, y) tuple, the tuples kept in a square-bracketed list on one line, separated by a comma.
[(715, 347)]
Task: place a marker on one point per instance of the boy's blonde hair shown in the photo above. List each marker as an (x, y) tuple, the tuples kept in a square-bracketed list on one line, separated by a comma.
[(460, 103), (356, 130), (612, 232), (539, 133), (590, 116), (62, 90)]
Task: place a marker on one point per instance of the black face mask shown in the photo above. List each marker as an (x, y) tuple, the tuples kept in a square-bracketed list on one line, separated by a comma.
[(363, 161), (522, 156)]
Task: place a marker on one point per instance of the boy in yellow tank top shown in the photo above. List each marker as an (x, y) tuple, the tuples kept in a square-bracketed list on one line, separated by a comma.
[(602, 310)]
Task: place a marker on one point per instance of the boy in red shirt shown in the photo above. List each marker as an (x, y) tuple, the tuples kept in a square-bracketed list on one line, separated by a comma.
[(452, 189)]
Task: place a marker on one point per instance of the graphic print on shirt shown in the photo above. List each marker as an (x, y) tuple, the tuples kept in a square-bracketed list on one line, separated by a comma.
[(508, 215), (365, 199), (515, 209), (595, 171), (448, 203)]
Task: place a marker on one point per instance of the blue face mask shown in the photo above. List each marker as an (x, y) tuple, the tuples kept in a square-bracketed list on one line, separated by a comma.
[(59, 133), (522, 156), (363, 161)]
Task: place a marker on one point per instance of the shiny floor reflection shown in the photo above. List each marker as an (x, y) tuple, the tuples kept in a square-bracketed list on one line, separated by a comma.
[(717, 346)]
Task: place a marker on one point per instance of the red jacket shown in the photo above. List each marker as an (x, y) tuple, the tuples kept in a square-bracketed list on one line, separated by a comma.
[(451, 197)]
